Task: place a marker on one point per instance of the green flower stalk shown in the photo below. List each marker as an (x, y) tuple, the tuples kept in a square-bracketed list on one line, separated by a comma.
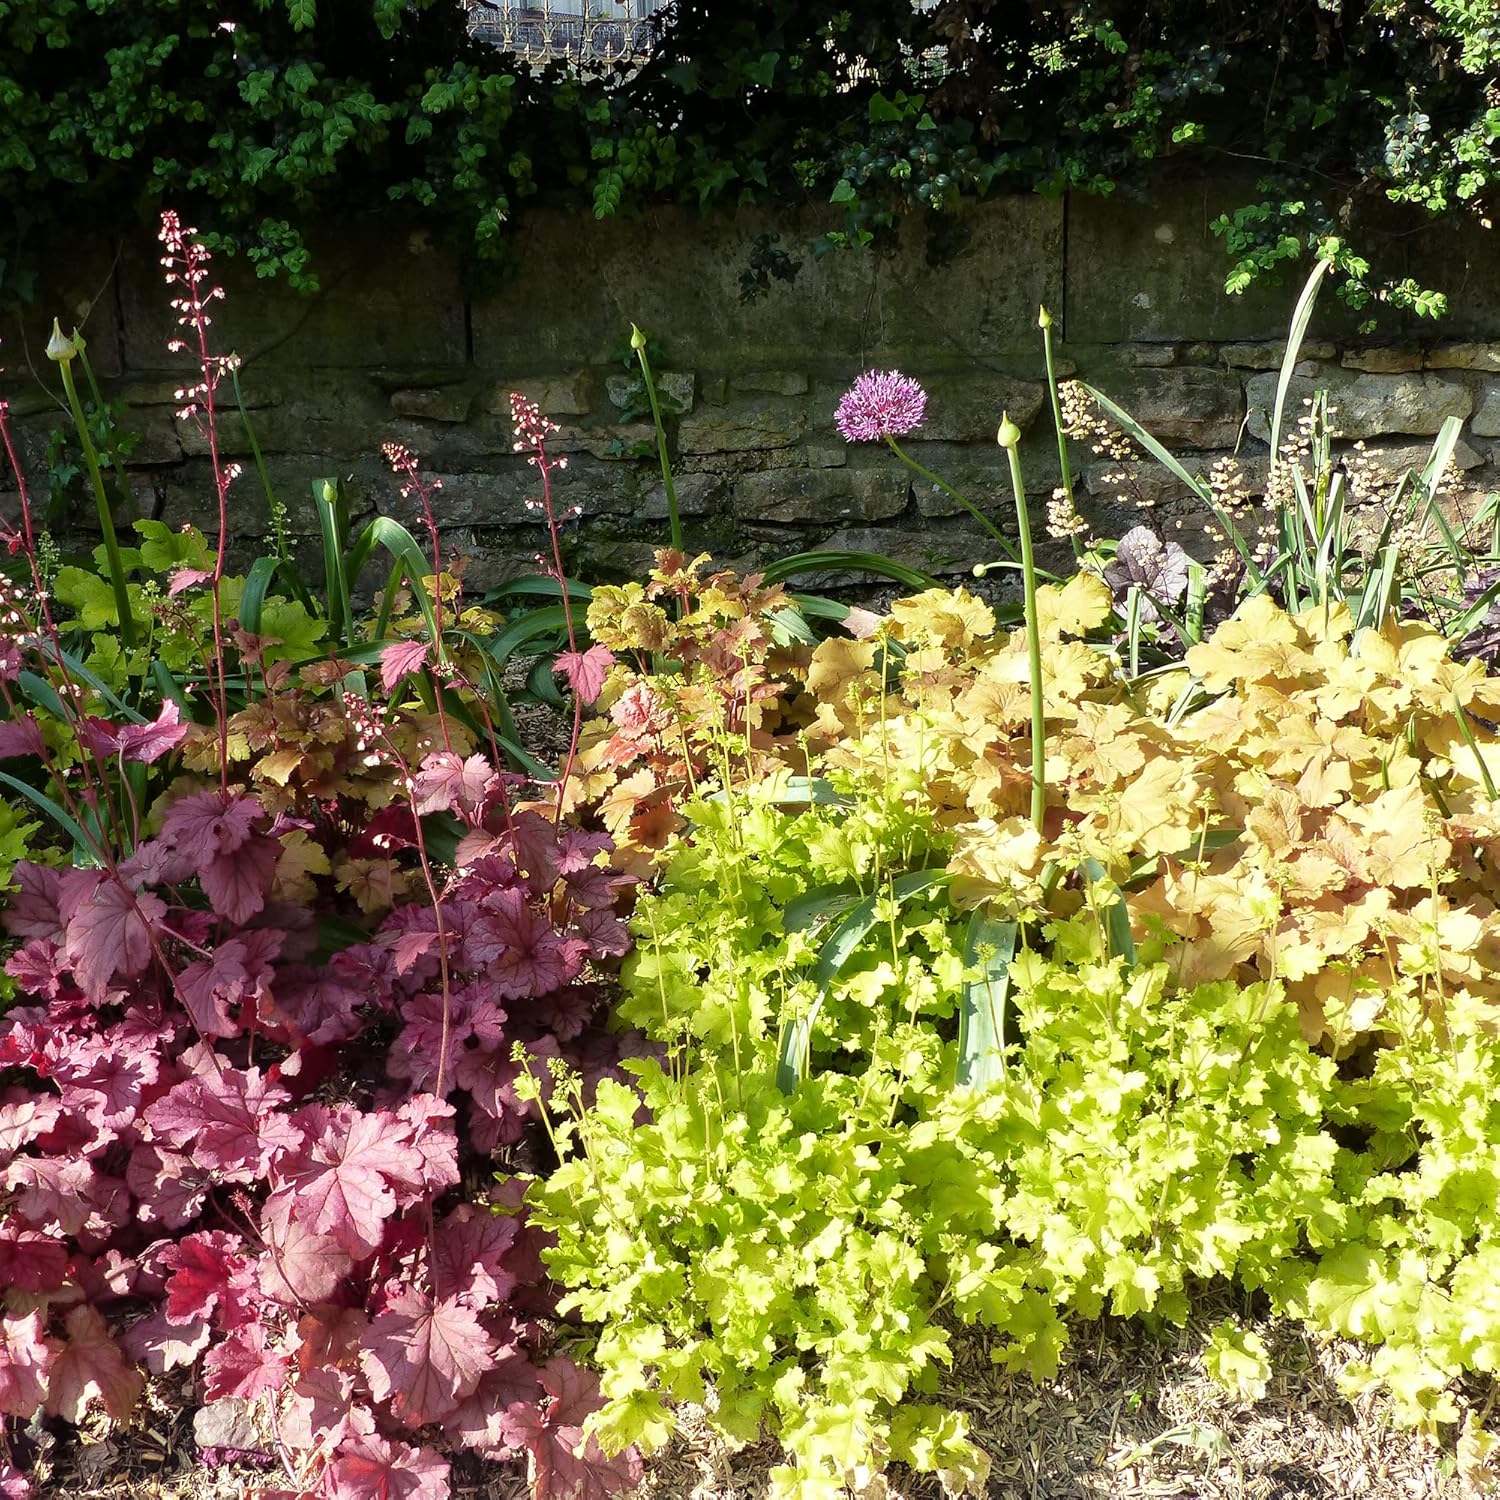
[(1044, 322), (674, 519), (63, 351), (1009, 438)]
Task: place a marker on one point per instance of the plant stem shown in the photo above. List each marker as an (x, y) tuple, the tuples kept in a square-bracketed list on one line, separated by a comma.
[(953, 494), (1045, 320), (101, 500), (674, 519), (1009, 437), (88, 374)]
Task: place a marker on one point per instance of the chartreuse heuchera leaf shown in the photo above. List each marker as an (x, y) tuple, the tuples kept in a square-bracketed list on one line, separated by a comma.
[(1249, 985)]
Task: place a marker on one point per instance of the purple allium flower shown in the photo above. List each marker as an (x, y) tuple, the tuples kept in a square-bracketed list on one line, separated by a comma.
[(881, 404)]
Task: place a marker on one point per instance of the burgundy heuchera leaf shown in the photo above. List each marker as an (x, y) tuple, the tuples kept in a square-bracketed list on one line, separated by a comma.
[(344, 1183), (91, 1368), (228, 1123), (370, 1468), (425, 1357), (109, 933), (564, 1464), (25, 1358)]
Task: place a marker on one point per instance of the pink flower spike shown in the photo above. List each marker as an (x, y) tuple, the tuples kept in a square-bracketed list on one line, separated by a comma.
[(881, 404)]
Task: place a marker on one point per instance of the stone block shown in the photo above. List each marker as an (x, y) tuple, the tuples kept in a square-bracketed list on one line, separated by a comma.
[(1384, 361), (1464, 357), (327, 413), (744, 427), (1486, 421), (769, 383), (557, 395), (943, 549), (697, 495), (1270, 356), (160, 438), (609, 440), (1193, 407), (826, 455), (968, 408), (821, 495), (433, 403), (392, 378), (1140, 484), (158, 391), (1367, 405), (1397, 458), (1149, 356), (674, 392)]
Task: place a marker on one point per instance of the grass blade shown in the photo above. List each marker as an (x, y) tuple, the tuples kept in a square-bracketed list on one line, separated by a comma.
[(521, 631), (539, 585)]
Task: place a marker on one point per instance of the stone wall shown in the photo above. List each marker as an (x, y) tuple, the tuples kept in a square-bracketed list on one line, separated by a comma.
[(394, 349)]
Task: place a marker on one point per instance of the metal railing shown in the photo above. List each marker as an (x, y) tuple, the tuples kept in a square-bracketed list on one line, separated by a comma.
[(595, 31)]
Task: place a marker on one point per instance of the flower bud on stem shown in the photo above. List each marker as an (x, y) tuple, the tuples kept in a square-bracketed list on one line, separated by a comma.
[(1009, 438)]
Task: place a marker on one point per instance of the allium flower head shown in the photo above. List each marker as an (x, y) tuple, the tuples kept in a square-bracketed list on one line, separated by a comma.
[(881, 404)]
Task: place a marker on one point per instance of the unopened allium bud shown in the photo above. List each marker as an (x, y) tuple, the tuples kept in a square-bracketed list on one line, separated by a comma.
[(1009, 434), (60, 348), (637, 339), (1043, 318)]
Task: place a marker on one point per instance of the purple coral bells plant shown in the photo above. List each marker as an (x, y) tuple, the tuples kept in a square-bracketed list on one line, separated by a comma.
[(881, 404)]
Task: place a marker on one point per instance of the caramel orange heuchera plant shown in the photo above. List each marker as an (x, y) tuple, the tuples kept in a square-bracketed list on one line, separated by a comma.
[(269, 1022), (1229, 1014)]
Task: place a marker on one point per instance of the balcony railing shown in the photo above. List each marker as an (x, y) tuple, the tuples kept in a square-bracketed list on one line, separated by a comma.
[(598, 31)]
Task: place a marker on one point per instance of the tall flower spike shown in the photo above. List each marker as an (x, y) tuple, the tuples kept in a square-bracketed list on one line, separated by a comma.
[(881, 404)]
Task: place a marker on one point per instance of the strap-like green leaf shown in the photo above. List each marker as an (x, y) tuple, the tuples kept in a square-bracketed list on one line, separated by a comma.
[(521, 632), (796, 1036), (539, 585), (990, 945), (853, 562), (1117, 919), (83, 845), (1301, 317)]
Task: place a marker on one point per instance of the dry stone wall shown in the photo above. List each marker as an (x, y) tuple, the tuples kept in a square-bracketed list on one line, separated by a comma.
[(395, 349)]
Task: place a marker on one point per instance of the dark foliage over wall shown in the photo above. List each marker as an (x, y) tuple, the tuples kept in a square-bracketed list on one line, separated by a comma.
[(251, 114)]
